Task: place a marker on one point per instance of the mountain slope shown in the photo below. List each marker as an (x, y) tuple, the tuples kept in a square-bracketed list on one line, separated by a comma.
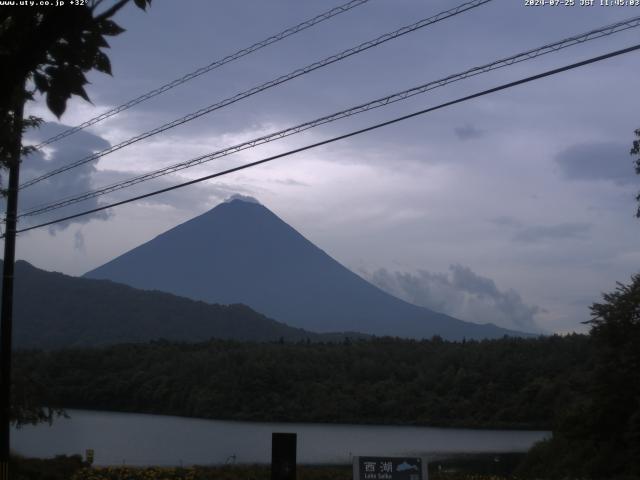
[(52, 310), (240, 252)]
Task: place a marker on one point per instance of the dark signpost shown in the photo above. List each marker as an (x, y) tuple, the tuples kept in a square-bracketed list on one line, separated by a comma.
[(389, 468), (283, 456)]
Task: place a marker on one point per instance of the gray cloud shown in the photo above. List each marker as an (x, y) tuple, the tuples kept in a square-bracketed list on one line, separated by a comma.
[(561, 231), (244, 198), (290, 182), (75, 181), (598, 161), (462, 294), (468, 132), (78, 241), (193, 198), (88, 177)]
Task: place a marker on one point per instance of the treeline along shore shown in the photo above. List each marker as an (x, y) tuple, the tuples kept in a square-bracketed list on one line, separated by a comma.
[(507, 383)]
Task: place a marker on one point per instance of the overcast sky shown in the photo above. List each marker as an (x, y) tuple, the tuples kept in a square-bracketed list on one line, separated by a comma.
[(516, 208)]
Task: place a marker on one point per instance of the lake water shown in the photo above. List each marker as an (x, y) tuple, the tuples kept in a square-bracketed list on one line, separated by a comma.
[(135, 439)]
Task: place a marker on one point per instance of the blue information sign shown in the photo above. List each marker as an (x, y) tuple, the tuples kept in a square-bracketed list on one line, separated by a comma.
[(389, 468)]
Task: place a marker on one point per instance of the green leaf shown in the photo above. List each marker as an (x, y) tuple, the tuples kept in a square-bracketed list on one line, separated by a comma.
[(99, 41), (64, 82), (80, 91), (71, 80), (142, 4), (110, 28), (28, 150), (102, 63), (32, 122), (56, 103), (41, 82)]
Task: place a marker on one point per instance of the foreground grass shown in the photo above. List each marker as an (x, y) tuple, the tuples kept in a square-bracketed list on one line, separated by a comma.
[(74, 468), (240, 473)]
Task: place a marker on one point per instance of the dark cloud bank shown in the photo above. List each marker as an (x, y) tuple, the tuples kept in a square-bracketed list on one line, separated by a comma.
[(78, 180), (87, 177), (598, 162)]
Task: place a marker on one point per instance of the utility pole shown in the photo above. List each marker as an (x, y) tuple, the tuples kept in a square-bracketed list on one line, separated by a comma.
[(6, 321)]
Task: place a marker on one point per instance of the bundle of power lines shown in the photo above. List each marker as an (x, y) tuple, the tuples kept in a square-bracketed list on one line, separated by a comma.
[(377, 103)]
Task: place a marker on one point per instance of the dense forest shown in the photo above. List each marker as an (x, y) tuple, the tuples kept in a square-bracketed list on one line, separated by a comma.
[(507, 383)]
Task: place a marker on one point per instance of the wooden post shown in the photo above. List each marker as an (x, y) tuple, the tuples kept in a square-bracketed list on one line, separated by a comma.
[(6, 321), (283, 456)]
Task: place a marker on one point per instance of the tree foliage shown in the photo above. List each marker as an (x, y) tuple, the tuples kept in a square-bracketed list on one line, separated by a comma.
[(635, 150), (598, 436), (49, 50)]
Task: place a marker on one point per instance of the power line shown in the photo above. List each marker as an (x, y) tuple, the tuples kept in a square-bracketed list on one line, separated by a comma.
[(380, 102), (272, 83), (342, 137), (206, 69)]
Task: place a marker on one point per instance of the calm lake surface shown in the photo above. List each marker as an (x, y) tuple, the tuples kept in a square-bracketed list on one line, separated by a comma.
[(136, 439)]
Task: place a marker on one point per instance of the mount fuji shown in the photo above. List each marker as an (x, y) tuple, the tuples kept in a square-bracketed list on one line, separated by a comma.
[(241, 252)]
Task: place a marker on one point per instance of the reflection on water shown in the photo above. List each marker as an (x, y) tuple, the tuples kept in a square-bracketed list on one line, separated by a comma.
[(135, 439)]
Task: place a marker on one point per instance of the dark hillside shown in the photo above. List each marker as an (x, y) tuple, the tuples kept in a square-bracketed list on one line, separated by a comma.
[(53, 310)]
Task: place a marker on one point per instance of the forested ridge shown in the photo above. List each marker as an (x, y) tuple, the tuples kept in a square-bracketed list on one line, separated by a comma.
[(53, 310), (506, 383)]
